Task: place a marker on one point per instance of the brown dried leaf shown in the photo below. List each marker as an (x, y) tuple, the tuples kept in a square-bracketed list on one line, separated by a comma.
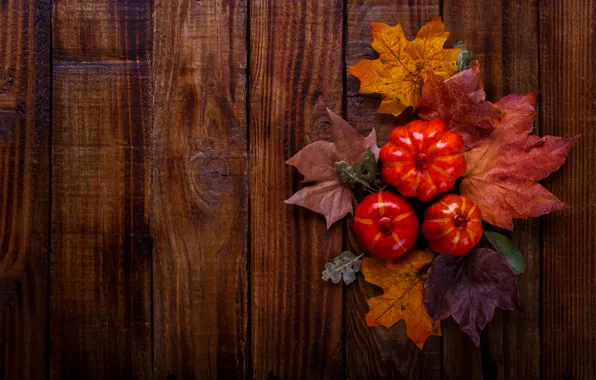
[(316, 162)]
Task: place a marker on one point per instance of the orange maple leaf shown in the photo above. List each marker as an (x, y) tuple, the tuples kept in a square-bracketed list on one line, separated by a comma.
[(402, 279), (398, 74)]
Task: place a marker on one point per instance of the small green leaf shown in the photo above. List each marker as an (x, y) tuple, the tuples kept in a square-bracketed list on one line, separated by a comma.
[(343, 267), (509, 251), (348, 175), (342, 168), (464, 57), (369, 168), (364, 174)]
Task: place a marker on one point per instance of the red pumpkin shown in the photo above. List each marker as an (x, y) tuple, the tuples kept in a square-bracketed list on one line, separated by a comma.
[(423, 159), (385, 224), (453, 225)]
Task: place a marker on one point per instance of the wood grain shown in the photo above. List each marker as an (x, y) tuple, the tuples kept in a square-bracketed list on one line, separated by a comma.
[(100, 323), (295, 65), (503, 36), (378, 352), (200, 187), (149, 209), (24, 187), (567, 66), (104, 30)]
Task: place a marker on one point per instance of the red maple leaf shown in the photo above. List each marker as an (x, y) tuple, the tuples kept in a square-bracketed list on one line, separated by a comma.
[(503, 169), (460, 102)]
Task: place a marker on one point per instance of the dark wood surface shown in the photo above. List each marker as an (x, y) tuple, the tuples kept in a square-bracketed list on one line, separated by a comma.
[(567, 47), (143, 232), (295, 69), (101, 247), (200, 190), (25, 32)]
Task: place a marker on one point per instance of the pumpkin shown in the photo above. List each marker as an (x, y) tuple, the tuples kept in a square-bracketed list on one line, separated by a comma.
[(385, 224), (453, 225), (423, 159)]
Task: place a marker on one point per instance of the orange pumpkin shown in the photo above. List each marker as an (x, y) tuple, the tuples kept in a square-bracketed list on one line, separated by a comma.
[(385, 224), (453, 225), (423, 159)]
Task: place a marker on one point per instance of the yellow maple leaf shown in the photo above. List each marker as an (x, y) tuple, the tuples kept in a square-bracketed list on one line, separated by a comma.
[(402, 279), (398, 73)]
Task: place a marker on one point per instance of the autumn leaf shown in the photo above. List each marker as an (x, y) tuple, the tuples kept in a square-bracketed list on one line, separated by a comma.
[(403, 284), (316, 162), (460, 102), (508, 250), (398, 73), (343, 267), (503, 170), (469, 288), (364, 174)]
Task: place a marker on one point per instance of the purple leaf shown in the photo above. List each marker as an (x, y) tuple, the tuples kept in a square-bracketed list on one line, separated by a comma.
[(469, 288)]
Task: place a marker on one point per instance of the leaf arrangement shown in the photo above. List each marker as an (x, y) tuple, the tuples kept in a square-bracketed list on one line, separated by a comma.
[(462, 270)]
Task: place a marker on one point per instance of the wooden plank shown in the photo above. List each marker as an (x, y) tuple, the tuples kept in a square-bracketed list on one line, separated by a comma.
[(567, 67), (86, 30), (295, 64), (200, 187), (503, 35), (100, 322), (378, 352), (24, 187)]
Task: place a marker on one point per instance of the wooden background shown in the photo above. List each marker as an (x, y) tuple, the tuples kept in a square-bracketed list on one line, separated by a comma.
[(142, 226)]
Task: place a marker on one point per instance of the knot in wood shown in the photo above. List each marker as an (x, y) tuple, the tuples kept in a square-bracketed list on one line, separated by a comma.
[(209, 177)]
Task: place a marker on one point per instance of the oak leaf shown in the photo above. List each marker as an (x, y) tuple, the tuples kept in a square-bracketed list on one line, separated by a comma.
[(316, 162), (503, 170), (402, 280), (398, 73), (460, 102), (469, 288)]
